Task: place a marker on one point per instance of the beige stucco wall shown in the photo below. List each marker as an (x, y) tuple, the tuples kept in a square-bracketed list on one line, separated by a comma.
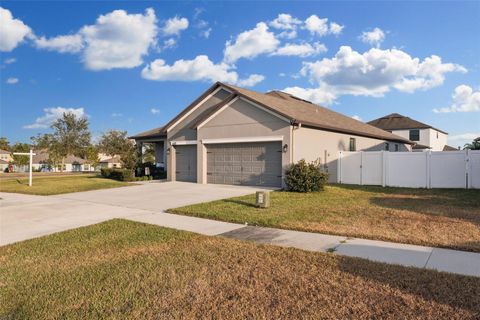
[(241, 120), (324, 146), (428, 137)]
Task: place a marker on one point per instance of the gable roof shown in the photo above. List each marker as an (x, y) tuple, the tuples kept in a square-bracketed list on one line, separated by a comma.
[(4, 151), (397, 121), (296, 110), (42, 157)]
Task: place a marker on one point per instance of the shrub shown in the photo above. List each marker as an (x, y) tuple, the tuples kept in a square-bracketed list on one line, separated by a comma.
[(305, 177), (117, 174)]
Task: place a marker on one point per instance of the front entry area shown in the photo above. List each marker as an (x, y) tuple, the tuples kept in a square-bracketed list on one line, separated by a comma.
[(254, 164), (186, 163)]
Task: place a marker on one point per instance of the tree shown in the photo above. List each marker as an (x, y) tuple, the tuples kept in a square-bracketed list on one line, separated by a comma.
[(70, 136), (91, 156), (18, 159), (4, 144), (475, 145), (149, 153), (115, 142)]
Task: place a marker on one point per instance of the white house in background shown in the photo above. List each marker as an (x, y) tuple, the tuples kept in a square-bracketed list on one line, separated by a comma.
[(40, 162), (425, 136)]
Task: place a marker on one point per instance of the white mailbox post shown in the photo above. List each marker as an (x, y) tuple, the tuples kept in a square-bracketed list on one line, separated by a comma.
[(31, 154)]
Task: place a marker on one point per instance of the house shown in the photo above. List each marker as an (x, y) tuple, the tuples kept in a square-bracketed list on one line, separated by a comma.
[(425, 136), (231, 135), (109, 162), (5, 159), (41, 162)]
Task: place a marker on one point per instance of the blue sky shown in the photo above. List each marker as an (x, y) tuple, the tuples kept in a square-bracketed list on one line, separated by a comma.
[(134, 65)]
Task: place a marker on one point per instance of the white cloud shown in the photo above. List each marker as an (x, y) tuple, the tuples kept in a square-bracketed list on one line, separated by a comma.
[(206, 33), (287, 34), (52, 114), (301, 50), (154, 111), (320, 96), (321, 27), (116, 40), (376, 72), (169, 43), (12, 31), (374, 37), (116, 115), (462, 138), (12, 81), (199, 69), (464, 100), (174, 26), (68, 43), (251, 43), (336, 28), (356, 117), (285, 21), (251, 81), (10, 61)]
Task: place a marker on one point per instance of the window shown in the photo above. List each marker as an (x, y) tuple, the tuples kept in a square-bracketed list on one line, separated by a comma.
[(437, 134), (387, 146), (414, 135), (353, 144), (396, 147)]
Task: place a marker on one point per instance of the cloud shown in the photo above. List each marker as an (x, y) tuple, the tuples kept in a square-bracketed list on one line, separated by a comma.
[(63, 44), (174, 26), (12, 81), (251, 81), (116, 40), (12, 31), (251, 43), (356, 117), (320, 96), (206, 33), (374, 37), (464, 100), (199, 69), (285, 21), (301, 50), (375, 72), (169, 43), (10, 61), (154, 111), (321, 27), (462, 138), (116, 115), (52, 114)]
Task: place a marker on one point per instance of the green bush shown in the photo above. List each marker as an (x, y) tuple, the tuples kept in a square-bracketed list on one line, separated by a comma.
[(305, 177), (117, 174)]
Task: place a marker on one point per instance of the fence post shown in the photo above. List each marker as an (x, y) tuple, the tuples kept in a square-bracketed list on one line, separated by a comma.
[(468, 171), (361, 168), (339, 169), (384, 169), (428, 157)]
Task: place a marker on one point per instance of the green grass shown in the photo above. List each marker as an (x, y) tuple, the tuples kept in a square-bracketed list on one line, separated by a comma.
[(126, 270), (58, 185), (447, 218)]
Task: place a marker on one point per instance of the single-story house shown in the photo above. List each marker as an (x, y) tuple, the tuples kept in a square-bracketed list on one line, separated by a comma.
[(5, 159), (40, 162), (231, 135), (110, 162), (424, 135)]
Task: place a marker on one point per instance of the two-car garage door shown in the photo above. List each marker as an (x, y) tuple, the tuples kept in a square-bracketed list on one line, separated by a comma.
[(257, 164)]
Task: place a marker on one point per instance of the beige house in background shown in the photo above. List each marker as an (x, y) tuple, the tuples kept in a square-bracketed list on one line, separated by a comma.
[(5, 159), (425, 136), (109, 162), (231, 135)]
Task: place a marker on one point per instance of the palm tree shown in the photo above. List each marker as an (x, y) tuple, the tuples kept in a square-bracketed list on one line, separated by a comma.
[(475, 145)]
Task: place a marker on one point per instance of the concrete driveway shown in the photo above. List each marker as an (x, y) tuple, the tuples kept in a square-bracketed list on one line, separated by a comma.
[(24, 217)]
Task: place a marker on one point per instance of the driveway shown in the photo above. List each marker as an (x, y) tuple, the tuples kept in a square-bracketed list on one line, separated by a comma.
[(24, 217)]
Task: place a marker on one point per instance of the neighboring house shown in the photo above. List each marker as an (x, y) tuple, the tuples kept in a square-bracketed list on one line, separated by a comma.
[(40, 162), (425, 136), (110, 162), (5, 159), (230, 135)]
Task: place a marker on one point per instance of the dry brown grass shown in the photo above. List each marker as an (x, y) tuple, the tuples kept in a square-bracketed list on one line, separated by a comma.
[(443, 218), (121, 269)]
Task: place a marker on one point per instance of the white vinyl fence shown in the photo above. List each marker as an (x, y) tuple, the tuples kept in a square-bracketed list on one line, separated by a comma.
[(442, 169)]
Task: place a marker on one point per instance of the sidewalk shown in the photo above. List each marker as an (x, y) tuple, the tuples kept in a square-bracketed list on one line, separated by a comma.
[(459, 262)]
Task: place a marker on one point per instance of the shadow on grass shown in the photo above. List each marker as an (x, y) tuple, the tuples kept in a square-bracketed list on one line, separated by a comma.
[(426, 284), (240, 202)]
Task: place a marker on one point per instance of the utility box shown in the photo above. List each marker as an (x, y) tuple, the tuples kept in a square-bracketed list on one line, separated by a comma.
[(262, 199)]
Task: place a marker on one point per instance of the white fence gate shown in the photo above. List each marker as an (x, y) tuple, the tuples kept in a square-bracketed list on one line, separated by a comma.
[(442, 169)]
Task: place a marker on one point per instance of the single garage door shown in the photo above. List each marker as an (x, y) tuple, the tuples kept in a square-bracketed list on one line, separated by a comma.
[(186, 163), (256, 164)]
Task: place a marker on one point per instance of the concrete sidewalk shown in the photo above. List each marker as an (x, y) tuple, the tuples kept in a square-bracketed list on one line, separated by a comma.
[(25, 217), (459, 262)]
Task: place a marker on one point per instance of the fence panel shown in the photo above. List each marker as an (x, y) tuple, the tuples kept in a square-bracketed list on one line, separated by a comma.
[(407, 169), (474, 172), (448, 169), (351, 168), (372, 168)]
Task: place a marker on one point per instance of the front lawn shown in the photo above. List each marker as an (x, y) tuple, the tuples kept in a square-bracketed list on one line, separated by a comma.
[(121, 269), (60, 184), (447, 218)]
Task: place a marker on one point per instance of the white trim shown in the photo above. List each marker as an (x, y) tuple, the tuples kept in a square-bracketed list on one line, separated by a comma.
[(183, 142), (196, 106), (243, 139), (201, 124), (265, 109)]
